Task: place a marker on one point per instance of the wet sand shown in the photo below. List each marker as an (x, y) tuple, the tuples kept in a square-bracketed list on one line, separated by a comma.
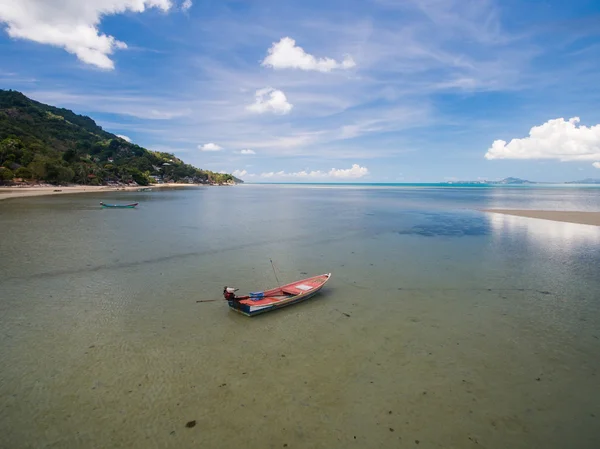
[(578, 217), (23, 192)]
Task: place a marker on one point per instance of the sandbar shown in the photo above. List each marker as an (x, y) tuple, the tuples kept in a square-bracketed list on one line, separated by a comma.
[(579, 217)]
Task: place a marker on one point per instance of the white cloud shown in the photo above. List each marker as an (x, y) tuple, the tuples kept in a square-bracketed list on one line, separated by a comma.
[(557, 139), (277, 143), (71, 24), (355, 172), (187, 4), (209, 147), (140, 106), (270, 100), (155, 114), (596, 164), (239, 173), (248, 152), (121, 136), (286, 55)]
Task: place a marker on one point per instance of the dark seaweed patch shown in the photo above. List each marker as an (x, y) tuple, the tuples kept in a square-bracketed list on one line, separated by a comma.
[(449, 226)]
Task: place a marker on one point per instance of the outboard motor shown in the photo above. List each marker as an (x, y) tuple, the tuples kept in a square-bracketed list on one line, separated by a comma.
[(229, 293)]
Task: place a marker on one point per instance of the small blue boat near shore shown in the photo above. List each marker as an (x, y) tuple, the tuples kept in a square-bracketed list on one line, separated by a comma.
[(119, 206)]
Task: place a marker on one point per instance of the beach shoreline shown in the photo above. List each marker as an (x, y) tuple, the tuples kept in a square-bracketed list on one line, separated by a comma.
[(577, 217), (9, 192)]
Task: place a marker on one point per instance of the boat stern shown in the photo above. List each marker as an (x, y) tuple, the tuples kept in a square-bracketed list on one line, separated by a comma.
[(247, 310)]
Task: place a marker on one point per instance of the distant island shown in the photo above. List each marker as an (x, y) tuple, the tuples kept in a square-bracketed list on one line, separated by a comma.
[(42, 143), (585, 181), (517, 181), (513, 181), (502, 181)]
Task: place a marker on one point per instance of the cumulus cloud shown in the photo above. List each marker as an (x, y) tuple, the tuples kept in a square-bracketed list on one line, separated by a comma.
[(285, 54), (558, 139), (210, 147), (187, 4), (71, 24), (596, 164), (239, 173), (248, 151), (354, 172), (121, 136), (270, 100)]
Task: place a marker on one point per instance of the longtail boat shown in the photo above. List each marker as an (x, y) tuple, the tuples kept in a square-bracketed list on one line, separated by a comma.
[(122, 206), (276, 298)]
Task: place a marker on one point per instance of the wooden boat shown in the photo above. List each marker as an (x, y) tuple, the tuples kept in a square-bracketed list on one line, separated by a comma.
[(276, 298), (122, 206)]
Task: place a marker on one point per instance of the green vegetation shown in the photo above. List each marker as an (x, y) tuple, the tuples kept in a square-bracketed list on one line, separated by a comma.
[(6, 174), (44, 143)]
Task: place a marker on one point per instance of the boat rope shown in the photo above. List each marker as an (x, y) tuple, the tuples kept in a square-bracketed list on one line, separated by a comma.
[(275, 273)]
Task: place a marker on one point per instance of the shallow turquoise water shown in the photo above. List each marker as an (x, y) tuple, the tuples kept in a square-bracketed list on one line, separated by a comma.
[(470, 328)]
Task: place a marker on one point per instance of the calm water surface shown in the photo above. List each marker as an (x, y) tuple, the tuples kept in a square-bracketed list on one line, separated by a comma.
[(442, 326)]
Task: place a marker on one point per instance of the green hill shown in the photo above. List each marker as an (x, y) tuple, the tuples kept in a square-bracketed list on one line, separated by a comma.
[(44, 143)]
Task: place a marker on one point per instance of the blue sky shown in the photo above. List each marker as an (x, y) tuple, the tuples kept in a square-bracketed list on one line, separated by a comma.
[(372, 90)]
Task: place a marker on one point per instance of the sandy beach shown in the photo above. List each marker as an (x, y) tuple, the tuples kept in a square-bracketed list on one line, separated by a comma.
[(587, 218), (22, 192)]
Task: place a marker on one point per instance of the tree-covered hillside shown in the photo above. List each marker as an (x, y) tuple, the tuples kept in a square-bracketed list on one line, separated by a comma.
[(44, 143)]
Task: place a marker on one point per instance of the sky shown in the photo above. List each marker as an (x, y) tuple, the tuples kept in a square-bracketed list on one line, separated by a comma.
[(325, 91)]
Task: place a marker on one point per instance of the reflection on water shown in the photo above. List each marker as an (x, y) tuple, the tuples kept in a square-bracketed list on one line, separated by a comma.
[(564, 252), (570, 237)]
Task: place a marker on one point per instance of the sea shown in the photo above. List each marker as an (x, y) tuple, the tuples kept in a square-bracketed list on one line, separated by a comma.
[(442, 326)]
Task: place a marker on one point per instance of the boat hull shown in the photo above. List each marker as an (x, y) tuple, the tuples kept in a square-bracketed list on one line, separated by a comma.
[(249, 309), (119, 206)]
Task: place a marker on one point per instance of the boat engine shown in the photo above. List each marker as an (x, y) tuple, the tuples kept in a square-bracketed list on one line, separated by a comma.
[(229, 293)]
